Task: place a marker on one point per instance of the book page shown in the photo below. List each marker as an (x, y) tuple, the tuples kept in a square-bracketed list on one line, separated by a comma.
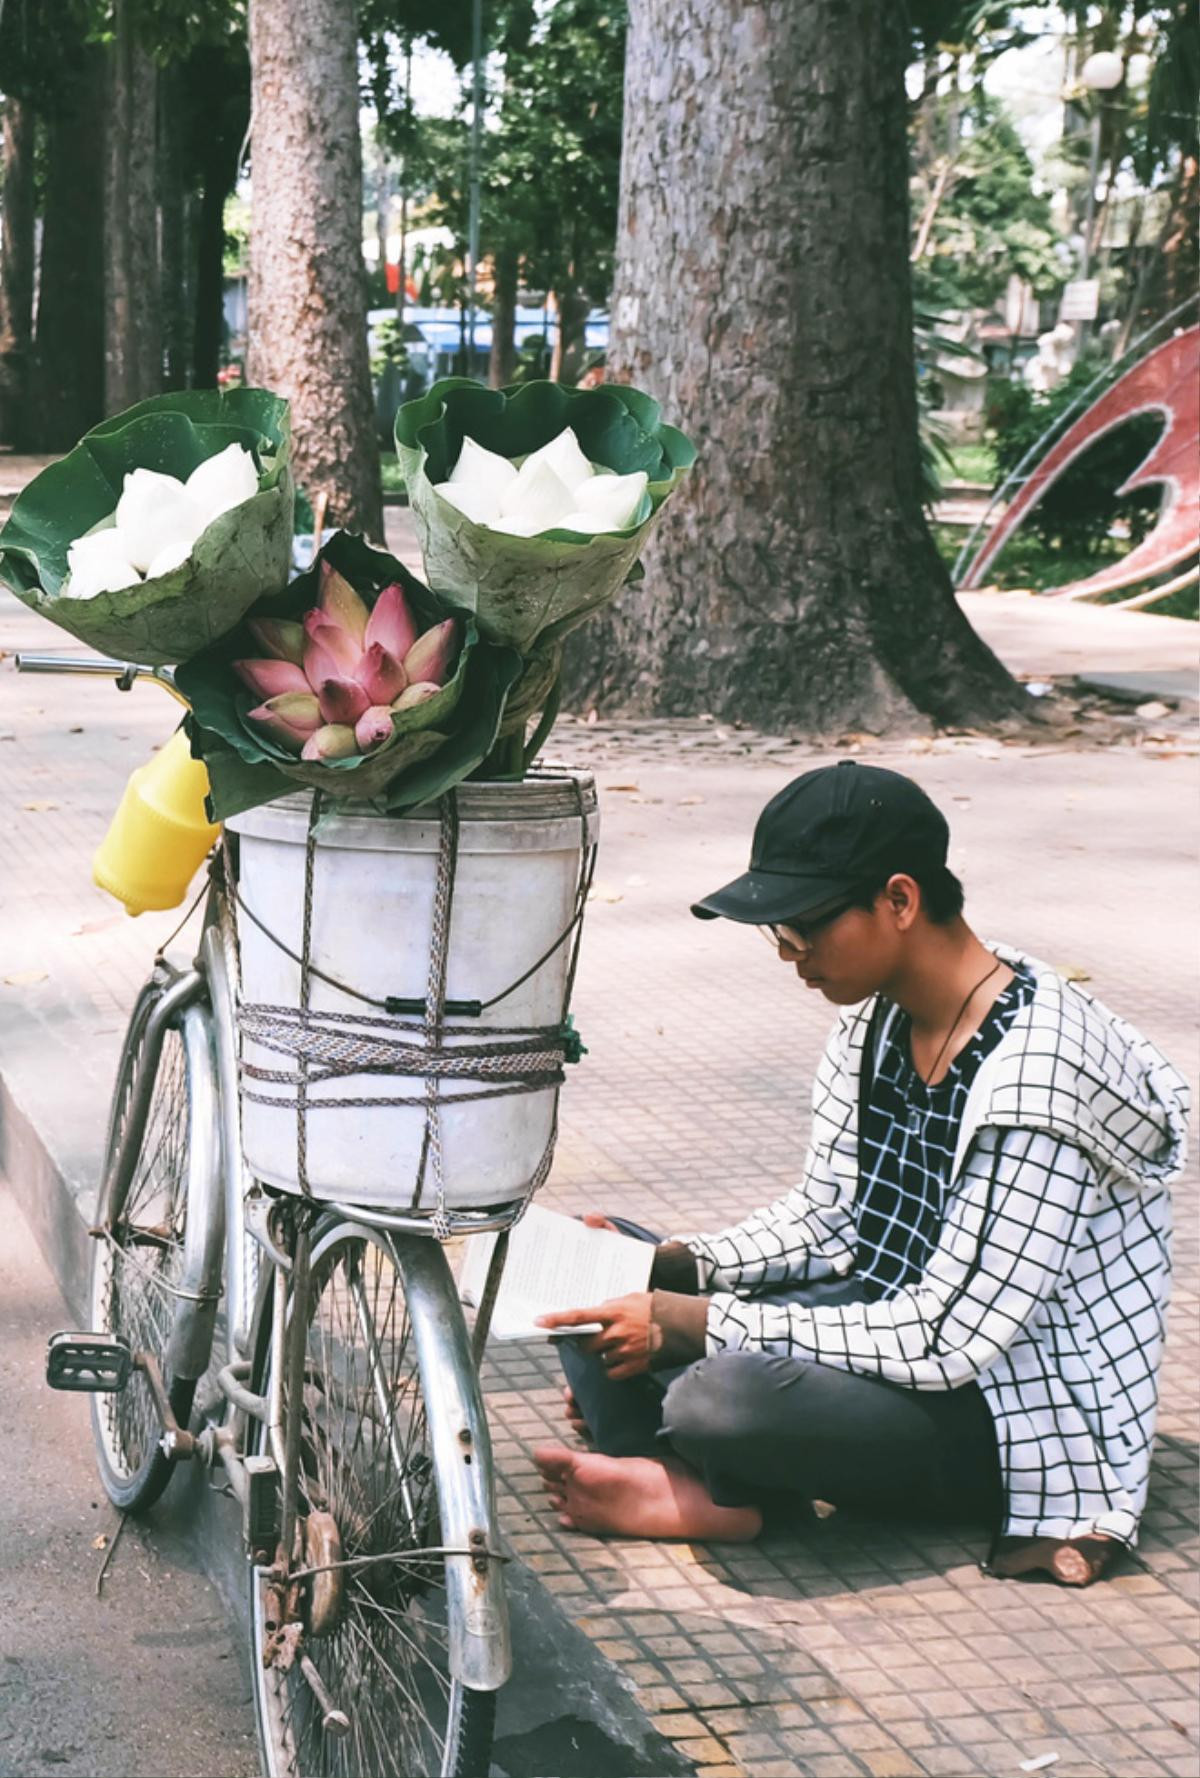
[(553, 1263)]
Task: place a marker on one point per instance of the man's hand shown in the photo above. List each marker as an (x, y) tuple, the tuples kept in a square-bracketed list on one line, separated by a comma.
[(628, 1337), (592, 1219)]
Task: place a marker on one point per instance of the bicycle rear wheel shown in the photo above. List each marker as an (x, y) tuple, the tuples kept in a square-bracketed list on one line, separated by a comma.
[(375, 1629), (138, 1256)]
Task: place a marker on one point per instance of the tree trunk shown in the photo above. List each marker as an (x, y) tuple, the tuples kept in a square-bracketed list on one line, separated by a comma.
[(308, 334), (172, 232), (503, 360), (16, 269), (763, 297), (132, 309), (67, 392), (570, 343)]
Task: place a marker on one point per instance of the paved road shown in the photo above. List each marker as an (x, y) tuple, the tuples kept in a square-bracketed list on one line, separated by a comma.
[(147, 1678)]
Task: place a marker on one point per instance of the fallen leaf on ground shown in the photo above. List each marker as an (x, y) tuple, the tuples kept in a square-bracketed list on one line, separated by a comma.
[(599, 892), (1153, 710), (100, 1542), (38, 808), (1071, 972), (622, 787), (25, 978), (687, 801)]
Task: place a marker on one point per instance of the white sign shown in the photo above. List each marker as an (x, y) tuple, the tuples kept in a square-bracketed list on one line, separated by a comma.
[(1080, 300)]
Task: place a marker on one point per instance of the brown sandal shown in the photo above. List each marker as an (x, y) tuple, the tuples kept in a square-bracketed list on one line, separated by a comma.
[(1075, 1562)]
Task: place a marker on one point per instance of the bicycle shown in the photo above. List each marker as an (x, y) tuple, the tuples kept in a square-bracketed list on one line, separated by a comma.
[(346, 1415)]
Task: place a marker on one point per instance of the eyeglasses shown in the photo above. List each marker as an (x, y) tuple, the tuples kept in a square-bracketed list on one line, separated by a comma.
[(801, 935)]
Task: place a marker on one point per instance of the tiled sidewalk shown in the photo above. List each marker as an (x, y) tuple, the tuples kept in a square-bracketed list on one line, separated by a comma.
[(839, 1647)]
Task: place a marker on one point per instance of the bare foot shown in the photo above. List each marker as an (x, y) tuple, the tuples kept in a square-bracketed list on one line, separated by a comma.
[(638, 1497), (1075, 1562), (575, 1419)]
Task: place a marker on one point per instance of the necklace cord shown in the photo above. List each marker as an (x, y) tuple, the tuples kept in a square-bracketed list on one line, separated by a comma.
[(929, 1078)]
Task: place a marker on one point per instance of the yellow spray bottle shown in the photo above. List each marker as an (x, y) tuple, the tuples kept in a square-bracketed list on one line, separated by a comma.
[(160, 834)]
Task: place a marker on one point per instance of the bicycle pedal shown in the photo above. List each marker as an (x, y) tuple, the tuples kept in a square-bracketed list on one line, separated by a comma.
[(91, 1363)]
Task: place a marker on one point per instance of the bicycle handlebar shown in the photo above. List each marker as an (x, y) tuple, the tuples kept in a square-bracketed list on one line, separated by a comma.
[(103, 666)]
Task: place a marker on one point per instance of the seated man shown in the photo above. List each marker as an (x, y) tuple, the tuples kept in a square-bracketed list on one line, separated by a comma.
[(959, 1309)]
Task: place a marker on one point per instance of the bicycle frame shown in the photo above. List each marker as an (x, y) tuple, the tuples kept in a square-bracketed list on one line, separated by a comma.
[(233, 1224)]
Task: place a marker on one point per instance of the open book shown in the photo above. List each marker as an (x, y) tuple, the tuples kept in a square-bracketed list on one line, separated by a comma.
[(553, 1262)]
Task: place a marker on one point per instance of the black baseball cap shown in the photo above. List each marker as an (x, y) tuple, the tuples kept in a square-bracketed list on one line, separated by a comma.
[(830, 833)]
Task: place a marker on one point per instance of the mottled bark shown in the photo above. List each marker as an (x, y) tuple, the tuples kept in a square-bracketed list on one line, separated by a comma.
[(172, 232), (67, 387), (308, 336), (503, 360), (133, 350), (16, 269), (763, 297)]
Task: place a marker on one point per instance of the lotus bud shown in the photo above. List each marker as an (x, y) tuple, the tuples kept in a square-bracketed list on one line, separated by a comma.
[(334, 741), (474, 503), (291, 718), (340, 604), (613, 498), (153, 512), (271, 678), (430, 655), (223, 481), (482, 472), (380, 674), (373, 727), (537, 494), (329, 653), (168, 559), (97, 563), (564, 457), (414, 695), (342, 700), (391, 622), (283, 640)]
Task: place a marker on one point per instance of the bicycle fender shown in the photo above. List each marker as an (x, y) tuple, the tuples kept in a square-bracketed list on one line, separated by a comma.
[(480, 1653), (198, 1291)]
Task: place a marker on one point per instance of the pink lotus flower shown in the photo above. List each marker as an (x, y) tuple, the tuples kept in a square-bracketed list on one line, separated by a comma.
[(270, 679), (291, 718), (352, 666), (334, 741), (373, 727)]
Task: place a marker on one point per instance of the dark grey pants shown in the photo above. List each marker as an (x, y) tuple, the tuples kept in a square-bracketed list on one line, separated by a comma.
[(759, 1426)]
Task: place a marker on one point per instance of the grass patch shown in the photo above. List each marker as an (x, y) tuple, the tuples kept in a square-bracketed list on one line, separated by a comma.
[(393, 481), (973, 461), (1026, 561)]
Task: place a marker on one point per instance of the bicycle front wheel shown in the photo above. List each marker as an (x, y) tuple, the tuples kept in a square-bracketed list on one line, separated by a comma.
[(137, 1262), (374, 1619)]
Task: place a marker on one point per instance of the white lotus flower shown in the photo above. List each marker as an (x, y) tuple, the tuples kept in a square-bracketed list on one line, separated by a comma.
[(475, 503), (155, 511), (517, 526), (613, 498), (173, 556), (485, 474), (98, 563), (223, 481), (564, 456), (538, 494)]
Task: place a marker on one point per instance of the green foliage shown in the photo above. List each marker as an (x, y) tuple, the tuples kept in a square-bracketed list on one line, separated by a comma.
[(988, 220), (433, 747), (1077, 511), (526, 589), (243, 555)]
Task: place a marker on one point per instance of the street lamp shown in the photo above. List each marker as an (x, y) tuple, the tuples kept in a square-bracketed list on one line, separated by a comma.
[(1100, 74)]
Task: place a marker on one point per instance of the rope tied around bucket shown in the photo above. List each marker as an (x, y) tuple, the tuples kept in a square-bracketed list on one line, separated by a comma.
[(325, 1047)]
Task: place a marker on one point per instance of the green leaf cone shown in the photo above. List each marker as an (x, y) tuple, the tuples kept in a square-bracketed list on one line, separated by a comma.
[(247, 767), (244, 555), (519, 587)]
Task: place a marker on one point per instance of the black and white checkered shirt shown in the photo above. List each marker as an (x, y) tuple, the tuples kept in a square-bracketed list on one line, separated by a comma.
[(910, 1131), (1047, 1280)]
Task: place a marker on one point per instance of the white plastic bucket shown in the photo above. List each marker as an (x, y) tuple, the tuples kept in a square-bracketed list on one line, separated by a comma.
[(520, 848)]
